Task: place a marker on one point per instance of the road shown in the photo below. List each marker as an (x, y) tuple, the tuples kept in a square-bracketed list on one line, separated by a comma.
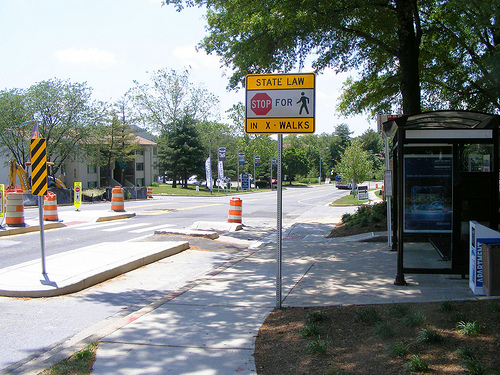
[(29, 326)]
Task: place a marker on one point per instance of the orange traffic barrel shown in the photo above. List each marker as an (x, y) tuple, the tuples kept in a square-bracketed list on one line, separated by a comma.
[(234, 211), (150, 192), (50, 207), (14, 208), (117, 199)]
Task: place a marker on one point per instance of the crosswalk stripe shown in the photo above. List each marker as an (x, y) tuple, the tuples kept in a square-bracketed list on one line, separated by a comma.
[(152, 228), (99, 225), (125, 227)]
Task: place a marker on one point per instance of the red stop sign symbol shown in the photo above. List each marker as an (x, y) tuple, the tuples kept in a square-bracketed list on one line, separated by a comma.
[(261, 104), (77, 189)]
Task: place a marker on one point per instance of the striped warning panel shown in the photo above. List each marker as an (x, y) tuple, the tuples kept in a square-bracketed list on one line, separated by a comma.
[(38, 166)]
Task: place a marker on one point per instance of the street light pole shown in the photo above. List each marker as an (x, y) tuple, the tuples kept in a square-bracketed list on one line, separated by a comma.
[(319, 179)]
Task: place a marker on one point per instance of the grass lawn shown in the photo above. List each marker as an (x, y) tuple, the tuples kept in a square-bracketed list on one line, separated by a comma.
[(348, 200), (166, 189)]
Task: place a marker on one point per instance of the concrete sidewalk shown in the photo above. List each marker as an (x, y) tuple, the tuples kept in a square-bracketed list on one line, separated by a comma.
[(211, 328), (210, 325)]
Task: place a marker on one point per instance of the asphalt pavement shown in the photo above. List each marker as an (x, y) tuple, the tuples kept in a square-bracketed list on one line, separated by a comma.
[(209, 326)]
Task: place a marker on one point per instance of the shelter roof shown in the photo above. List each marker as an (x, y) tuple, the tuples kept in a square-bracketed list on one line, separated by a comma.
[(442, 120)]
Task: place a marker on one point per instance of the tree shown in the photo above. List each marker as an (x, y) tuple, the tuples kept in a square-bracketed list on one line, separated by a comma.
[(67, 118), (117, 145), (170, 98), (355, 164), (458, 66), (294, 162), (373, 143), (344, 133), (382, 38), (15, 126), (183, 152), (461, 56)]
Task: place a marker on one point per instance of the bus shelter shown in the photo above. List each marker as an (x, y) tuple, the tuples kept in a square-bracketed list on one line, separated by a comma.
[(445, 174)]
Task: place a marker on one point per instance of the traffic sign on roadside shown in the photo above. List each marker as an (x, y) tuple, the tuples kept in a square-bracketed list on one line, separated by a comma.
[(2, 208), (78, 195), (280, 103), (38, 166)]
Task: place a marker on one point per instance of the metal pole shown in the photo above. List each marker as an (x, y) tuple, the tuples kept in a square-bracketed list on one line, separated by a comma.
[(388, 199), (254, 185), (279, 224), (210, 160), (271, 174), (319, 168), (42, 234)]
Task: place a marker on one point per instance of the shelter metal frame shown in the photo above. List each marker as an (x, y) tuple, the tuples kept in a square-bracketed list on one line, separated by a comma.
[(444, 140)]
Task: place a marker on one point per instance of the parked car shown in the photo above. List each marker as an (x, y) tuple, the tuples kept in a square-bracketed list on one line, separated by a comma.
[(193, 180)]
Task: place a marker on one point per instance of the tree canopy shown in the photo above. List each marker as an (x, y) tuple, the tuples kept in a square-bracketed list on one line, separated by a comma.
[(67, 118), (355, 164), (171, 97), (409, 54), (183, 152)]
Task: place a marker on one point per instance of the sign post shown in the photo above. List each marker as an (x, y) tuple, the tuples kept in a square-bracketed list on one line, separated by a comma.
[(280, 104), (2, 204), (38, 154)]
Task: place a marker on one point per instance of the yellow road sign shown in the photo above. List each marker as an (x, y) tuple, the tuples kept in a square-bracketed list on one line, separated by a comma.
[(280, 103), (77, 195), (2, 200), (38, 166)]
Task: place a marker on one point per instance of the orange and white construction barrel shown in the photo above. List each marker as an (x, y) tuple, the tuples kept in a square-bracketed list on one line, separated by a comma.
[(50, 207), (234, 210), (117, 199), (150, 192), (14, 208)]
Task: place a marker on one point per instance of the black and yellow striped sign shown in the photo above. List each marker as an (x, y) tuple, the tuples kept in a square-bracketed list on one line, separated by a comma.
[(38, 166)]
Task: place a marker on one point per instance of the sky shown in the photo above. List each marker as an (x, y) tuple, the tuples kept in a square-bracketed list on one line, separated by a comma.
[(111, 43)]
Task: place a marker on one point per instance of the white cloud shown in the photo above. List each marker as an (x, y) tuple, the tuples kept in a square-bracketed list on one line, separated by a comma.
[(86, 57)]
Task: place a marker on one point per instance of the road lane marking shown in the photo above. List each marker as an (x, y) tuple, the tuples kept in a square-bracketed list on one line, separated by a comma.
[(201, 206)]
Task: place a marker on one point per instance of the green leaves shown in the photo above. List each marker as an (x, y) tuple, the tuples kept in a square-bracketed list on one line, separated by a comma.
[(355, 164)]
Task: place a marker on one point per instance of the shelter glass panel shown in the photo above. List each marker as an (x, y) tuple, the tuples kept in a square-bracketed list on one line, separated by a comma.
[(428, 185)]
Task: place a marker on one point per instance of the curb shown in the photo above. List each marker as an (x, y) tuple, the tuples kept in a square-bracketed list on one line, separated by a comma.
[(188, 232), (85, 279)]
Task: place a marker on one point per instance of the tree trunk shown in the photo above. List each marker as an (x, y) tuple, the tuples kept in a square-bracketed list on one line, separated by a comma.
[(409, 44)]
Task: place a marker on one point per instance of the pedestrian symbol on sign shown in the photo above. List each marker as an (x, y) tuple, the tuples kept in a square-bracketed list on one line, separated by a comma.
[(304, 100)]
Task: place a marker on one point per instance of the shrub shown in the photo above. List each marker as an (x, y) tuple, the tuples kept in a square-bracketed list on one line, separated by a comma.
[(446, 306), (368, 315), (399, 311), (474, 366), (469, 328), (309, 330), (429, 336), (383, 330), (399, 349), (367, 214), (346, 218), (261, 184), (316, 317), (466, 352), (318, 346), (414, 319), (417, 364)]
